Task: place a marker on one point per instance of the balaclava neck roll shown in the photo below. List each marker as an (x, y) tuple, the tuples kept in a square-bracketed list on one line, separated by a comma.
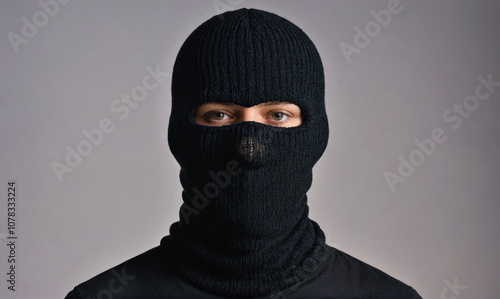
[(244, 229)]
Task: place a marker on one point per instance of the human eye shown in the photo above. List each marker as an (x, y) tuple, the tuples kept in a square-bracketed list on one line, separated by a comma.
[(216, 116), (279, 116)]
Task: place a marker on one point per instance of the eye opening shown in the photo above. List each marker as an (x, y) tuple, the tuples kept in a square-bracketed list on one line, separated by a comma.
[(278, 114)]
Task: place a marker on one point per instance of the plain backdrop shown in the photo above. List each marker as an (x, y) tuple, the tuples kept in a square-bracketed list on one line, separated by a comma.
[(439, 224)]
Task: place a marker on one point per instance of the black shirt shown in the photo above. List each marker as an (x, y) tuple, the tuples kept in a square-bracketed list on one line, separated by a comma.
[(153, 275)]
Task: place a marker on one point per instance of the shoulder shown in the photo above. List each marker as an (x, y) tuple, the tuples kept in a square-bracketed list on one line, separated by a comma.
[(344, 276), (121, 278), (147, 275), (151, 274)]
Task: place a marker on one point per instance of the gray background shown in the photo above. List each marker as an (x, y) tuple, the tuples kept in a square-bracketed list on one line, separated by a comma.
[(440, 224)]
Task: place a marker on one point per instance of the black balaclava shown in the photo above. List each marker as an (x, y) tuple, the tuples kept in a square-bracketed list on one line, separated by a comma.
[(244, 229)]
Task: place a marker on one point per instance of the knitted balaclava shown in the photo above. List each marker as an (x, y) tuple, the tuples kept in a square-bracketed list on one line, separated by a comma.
[(244, 229)]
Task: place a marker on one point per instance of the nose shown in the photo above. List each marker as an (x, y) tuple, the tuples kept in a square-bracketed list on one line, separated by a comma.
[(252, 149)]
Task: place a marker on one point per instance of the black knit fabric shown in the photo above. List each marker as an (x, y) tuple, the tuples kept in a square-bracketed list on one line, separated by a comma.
[(244, 229)]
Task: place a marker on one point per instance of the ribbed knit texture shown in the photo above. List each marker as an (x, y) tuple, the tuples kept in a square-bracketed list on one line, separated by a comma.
[(244, 229)]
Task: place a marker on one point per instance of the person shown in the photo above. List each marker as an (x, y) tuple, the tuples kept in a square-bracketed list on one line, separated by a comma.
[(247, 125)]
